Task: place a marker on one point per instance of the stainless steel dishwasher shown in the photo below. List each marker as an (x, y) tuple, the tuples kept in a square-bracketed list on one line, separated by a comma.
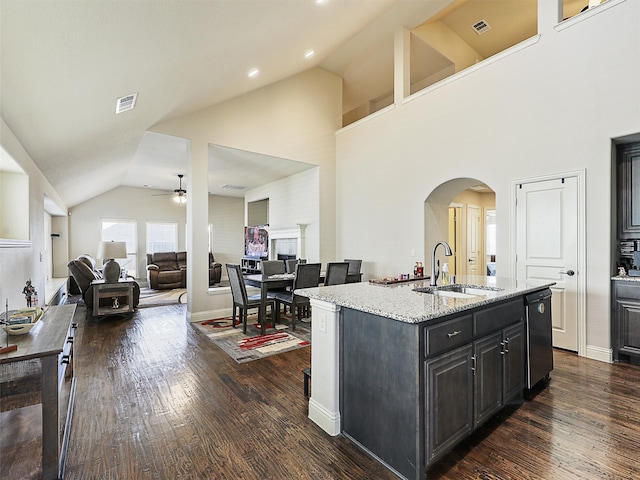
[(539, 339)]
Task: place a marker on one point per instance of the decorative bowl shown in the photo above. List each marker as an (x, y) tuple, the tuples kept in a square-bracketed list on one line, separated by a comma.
[(22, 328)]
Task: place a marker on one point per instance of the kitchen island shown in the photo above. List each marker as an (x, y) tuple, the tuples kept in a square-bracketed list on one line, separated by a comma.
[(407, 375)]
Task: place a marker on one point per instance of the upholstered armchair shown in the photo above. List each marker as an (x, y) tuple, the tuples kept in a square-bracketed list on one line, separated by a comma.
[(83, 270)]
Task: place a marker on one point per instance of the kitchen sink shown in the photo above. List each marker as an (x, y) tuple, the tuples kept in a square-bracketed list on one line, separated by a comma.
[(460, 291)]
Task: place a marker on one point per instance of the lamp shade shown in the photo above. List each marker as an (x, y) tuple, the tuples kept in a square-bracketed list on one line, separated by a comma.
[(110, 250)]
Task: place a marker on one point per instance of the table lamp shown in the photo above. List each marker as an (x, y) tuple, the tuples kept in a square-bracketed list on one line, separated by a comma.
[(108, 251)]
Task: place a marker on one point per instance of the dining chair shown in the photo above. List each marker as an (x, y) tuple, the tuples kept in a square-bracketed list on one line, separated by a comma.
[(273, 267), (354, 265), (336, 273), (241, 299), (292, 262), (307, 276)]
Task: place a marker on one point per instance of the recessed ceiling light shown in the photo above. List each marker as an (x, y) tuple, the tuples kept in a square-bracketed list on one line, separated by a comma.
[(309, 54), (253, 72), (320, 2)]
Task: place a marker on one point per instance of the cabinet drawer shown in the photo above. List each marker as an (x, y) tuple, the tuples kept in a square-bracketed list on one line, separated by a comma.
[(447, 335), (628, 290), (496, 318)]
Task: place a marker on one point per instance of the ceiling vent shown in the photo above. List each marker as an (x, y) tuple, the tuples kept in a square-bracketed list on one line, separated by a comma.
[(481, 27), (126, 103), (233, 187)]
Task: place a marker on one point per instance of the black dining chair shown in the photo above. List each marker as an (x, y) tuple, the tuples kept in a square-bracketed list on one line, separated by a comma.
[(354, 269), (336, 273), (241, 299), (307, 276), (273, 267), (292, 262)]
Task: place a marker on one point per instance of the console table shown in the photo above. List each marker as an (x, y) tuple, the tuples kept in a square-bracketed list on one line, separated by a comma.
[(122, 291), (41, 371)]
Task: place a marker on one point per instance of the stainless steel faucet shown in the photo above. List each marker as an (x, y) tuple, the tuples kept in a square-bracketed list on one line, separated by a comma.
[(435, 274)]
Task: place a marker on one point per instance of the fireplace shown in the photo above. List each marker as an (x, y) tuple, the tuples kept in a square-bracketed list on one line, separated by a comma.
[(286, 241)]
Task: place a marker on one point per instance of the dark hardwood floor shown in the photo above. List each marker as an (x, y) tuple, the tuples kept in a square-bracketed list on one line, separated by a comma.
[(156, 400)]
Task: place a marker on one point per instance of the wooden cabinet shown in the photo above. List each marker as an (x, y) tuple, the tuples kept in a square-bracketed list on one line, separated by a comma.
[(411, 392), (119, 297), (40, 371), (449, 400), (625, 331), (628, 160), (498, 371)]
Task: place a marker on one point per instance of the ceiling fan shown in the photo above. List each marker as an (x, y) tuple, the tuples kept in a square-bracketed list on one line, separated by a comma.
[(179, 194)]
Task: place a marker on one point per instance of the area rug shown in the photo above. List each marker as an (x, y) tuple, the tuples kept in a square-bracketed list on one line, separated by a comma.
[(155, 298), (253, 346)]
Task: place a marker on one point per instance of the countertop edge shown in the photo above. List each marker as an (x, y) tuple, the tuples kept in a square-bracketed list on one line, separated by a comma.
[(363, 297)]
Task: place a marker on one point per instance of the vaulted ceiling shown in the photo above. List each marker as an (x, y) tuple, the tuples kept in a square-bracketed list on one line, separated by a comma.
[(64, 63)]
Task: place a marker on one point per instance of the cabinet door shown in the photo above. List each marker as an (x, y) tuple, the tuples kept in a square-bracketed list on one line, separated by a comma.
[(629, 191), (514, 362), (449, 400), (488, 354), (627, 328)]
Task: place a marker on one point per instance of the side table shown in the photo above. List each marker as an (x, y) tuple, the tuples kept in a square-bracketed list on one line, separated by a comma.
[(120, 297)]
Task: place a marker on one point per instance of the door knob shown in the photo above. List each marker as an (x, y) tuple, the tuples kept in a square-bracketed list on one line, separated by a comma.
[(570, 273)]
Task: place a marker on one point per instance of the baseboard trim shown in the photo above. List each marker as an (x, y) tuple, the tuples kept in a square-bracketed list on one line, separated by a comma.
[(599, 353), (326, 420)]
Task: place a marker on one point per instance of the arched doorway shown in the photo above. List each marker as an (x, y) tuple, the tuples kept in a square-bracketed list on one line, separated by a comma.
[(462, 211)]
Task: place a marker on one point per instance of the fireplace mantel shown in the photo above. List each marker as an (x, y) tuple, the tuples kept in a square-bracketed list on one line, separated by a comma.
[(291, 232)]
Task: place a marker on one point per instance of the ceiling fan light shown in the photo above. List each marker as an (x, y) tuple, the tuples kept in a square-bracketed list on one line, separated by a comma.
[(181, 199)]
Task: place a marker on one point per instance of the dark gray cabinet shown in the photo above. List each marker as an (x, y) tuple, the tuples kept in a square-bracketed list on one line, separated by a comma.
[(625, 331), (449, 400), (498, 371), (411, 392), (628, 160)]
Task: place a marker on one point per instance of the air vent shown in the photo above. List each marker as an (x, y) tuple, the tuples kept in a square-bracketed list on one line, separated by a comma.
[(481, 27), (126, 103), (233, 187)]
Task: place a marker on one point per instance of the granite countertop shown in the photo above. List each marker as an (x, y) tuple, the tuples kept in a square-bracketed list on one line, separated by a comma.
[(626, 278), (400, 301)]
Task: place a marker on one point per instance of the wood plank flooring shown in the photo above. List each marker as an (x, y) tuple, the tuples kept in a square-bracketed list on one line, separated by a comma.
[(156, 400)]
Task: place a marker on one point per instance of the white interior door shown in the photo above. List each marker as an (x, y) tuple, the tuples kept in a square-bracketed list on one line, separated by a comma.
[(547, 249), (474, 263)]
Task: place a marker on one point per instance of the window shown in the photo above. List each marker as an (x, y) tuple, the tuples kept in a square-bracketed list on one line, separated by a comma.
[(162, 237), (123, 231)]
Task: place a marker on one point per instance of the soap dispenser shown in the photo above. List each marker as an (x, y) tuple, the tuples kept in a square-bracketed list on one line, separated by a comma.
[(445, 273)]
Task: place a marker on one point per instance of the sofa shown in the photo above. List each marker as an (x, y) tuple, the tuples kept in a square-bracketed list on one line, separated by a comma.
[(83, 271), (166, 270)]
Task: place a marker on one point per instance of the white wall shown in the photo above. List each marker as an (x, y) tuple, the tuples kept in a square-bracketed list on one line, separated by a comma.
[(551, 107), (294, 119), (227, 216), (17, 265), (295, 200)]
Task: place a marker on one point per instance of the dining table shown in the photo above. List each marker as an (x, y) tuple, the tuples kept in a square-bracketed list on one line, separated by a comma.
[(264, 283), (279, 281)]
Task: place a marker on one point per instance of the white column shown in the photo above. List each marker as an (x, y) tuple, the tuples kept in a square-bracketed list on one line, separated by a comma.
[(197, 229), (549, 15), (324, 404), (402, 66)]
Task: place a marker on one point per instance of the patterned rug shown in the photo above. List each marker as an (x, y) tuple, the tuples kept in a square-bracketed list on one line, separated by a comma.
[(253, 346), (154, 298)]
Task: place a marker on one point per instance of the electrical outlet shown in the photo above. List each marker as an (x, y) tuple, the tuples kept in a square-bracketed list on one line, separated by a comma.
[(322, 324)]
